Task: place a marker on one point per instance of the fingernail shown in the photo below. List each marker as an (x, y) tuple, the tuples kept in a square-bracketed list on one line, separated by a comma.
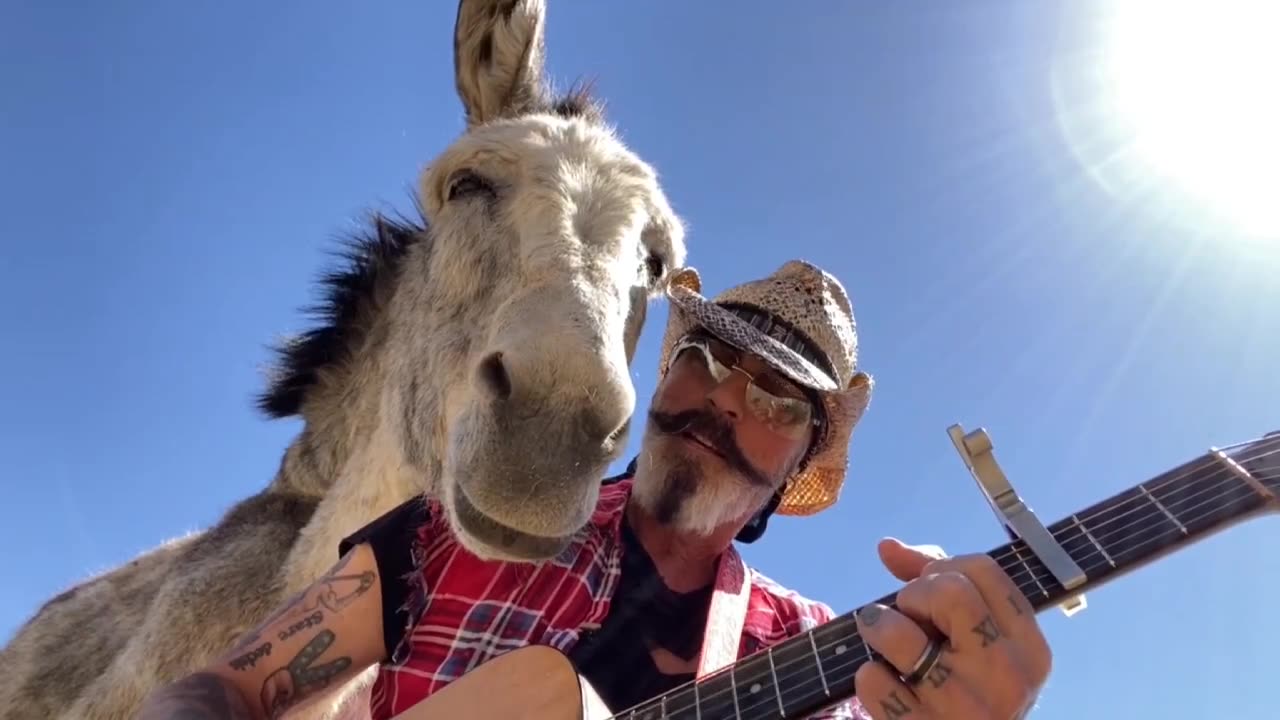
[(934, 551), (871, 614)]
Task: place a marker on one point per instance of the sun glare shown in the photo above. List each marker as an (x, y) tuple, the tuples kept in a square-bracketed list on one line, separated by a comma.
[(1196, 85)]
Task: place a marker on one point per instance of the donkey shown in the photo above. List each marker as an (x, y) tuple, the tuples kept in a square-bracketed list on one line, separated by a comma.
[(480, 352)]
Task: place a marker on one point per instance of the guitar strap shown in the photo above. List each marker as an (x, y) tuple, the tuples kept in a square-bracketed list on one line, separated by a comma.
[(727, 614)]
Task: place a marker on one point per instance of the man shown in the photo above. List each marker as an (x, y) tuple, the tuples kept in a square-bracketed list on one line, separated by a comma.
[(758, 396)]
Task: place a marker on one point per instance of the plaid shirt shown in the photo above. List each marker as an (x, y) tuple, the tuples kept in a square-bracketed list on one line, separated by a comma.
[(463, 611)]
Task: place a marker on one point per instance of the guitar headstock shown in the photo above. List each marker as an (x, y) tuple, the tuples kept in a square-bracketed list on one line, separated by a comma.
[(1260, 458)]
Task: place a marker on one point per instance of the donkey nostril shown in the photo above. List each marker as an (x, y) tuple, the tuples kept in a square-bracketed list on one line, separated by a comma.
[(493, 376)]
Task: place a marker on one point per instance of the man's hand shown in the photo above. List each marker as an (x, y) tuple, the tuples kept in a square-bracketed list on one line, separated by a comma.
[(992, 657)]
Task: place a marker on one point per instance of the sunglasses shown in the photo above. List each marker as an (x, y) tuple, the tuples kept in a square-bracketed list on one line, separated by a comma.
[(773, 401)]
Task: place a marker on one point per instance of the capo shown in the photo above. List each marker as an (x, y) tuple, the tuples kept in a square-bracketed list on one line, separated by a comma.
[(1016, 516)]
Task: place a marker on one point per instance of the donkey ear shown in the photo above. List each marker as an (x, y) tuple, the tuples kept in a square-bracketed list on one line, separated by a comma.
[(498, 48)]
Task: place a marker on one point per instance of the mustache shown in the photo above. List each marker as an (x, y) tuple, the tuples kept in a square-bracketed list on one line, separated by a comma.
[(716, 433)]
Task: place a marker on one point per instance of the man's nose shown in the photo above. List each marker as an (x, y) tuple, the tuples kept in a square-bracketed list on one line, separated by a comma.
[(729, 395)]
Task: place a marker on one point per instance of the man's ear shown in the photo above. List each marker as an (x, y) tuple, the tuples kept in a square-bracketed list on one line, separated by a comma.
[(759, 522)]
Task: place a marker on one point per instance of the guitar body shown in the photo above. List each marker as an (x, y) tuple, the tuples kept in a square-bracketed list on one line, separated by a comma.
[(533, 683)]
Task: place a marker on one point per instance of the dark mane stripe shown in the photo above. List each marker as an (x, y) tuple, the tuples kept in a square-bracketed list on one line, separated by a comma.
[(349, 292), (342, 313), (578, 102)]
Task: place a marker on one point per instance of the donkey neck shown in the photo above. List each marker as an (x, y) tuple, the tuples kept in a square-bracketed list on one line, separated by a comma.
[(351, 457), (347, 447)]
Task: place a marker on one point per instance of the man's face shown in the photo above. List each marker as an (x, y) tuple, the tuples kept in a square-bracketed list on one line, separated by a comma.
[(724, 432)]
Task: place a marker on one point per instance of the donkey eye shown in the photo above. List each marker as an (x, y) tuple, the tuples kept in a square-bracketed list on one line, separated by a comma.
[(656, 266), (466, 183)]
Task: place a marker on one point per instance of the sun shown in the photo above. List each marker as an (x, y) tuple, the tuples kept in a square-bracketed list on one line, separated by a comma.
[(1195, 85)]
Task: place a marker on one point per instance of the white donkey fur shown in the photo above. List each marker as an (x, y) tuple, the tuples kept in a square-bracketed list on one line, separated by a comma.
[(482, 354)]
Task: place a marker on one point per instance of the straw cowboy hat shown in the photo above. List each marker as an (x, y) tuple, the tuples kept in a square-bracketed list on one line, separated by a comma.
[(799, 321)]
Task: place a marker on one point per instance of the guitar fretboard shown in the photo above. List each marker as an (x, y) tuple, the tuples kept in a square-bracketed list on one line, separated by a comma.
[(806, 673)]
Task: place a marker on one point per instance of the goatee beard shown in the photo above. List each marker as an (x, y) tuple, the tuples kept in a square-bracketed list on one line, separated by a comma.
[(682, 483)]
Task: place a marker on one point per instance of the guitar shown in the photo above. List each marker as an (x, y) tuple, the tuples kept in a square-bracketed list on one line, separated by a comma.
[(1053, 566)]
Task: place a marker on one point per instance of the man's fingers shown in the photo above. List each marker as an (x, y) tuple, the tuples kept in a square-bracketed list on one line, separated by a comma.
[(1011, 613), (884, 696), (893, 635), (906, 562), (951, 603), (941, 690)]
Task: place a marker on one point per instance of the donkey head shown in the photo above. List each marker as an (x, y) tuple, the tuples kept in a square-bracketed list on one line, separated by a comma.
[(510, 367)]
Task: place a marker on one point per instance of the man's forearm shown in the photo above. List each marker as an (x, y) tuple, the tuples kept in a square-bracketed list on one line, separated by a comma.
[(201, 696)]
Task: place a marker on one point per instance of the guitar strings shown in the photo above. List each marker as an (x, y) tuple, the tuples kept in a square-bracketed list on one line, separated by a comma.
[(1098, 540), (1202, 464), (1139, 503), (1147, 506), (862, 654)]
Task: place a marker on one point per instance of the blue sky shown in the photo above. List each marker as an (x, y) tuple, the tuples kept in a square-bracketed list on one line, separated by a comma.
[(174, 177)]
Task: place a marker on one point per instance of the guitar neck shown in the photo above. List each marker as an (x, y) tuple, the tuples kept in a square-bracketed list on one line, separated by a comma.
[(815, 669)]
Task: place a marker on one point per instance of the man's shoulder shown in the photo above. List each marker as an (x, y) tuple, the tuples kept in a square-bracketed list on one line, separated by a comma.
[(612, 503), (777, 611), (395, 527)]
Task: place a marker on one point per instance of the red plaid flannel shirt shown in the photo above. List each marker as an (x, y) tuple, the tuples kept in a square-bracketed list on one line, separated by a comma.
[(466, 611)]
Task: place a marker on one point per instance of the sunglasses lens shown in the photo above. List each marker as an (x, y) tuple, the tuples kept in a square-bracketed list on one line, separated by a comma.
[(787, 416)]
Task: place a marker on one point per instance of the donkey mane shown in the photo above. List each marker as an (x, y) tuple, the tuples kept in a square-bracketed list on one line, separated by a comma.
[(577, 102), (349, 294), (348, 297)]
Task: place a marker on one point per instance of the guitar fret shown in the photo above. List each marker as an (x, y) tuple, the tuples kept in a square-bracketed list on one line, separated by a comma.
[(1035, 576), (1094, 540), (1115, 526), (777, 688), (797, 689), (1239, 471), (715, 696), (753, 676), (834, 644), (686, 703), (822, 675), (733, 682), (1214, 495), (1181, 528), (1085, 546)]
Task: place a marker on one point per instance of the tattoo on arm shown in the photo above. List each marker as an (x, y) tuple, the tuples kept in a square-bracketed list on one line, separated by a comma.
[(289, 608), (988, 630), (290, 684), (251, 658), (333, 592), (201, 696)]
